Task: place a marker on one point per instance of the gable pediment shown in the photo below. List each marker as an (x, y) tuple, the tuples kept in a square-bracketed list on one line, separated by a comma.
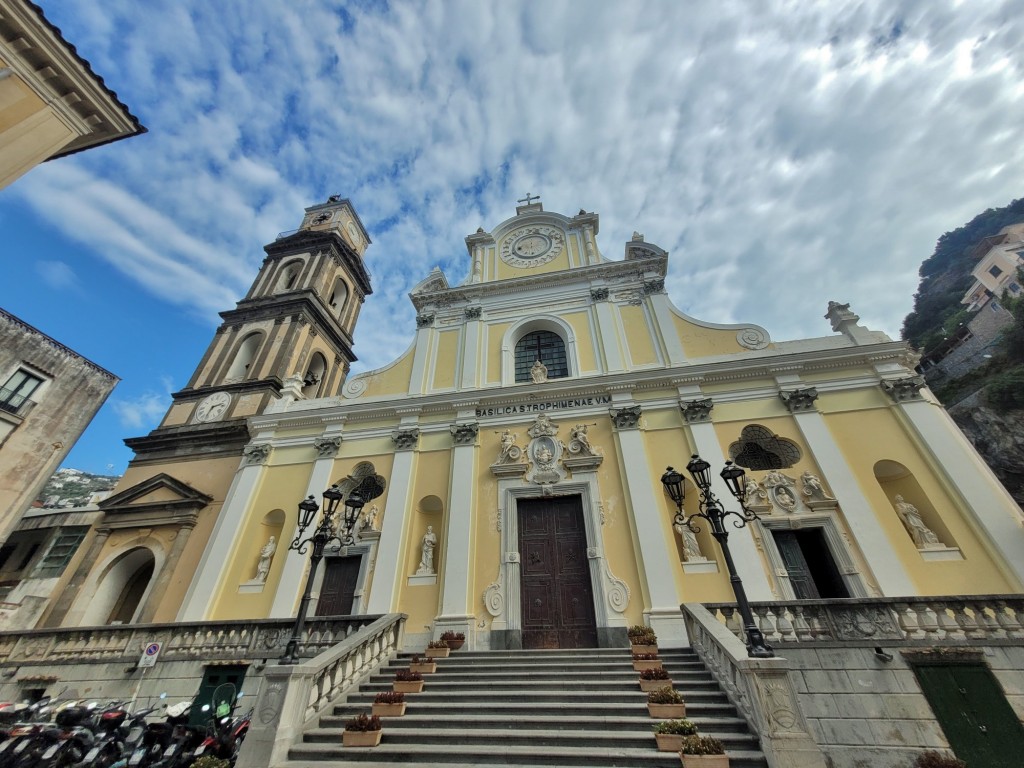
[(158, 500)]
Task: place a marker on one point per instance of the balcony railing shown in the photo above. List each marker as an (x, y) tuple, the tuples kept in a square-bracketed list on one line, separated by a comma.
[(903, 621), (12, 402)]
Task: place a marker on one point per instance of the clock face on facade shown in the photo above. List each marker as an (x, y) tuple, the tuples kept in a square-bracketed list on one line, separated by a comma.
[(213, 407), (531, 246)]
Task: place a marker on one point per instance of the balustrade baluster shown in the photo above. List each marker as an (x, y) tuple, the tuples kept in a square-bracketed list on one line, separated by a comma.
[(1009, 617), (966, 616), (985, 615), (768, 625), (802, 627), (907, 620), (947, 623)]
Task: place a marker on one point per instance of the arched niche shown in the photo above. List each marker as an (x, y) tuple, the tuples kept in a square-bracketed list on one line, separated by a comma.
[(314, 376), (289, 277), (895, 479), (121, 588), (338, 297), (245, 354)]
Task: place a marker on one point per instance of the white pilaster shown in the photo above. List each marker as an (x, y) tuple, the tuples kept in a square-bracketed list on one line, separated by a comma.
[(657, 561), (390, 561), (420, 358), (290, 586), (210, 575), (471, 368), (741, 540), (457, 577), (667, 329), (610, 342), (874, 544), (982, 494)]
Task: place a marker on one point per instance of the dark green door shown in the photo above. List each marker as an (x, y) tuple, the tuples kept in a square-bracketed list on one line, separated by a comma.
[(221, 686), (974, 714)]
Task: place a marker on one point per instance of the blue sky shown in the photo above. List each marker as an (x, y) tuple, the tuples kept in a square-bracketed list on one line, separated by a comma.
[(785, 154)]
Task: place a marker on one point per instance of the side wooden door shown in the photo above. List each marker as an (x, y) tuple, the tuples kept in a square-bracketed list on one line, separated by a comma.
[(338, 590)]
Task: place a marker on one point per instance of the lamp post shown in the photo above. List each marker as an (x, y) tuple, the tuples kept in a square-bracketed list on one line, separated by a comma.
[(325, 533), (711, 509)]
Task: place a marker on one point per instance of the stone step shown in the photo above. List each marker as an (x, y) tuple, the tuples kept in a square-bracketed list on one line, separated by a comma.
[(625, 695), (513, 737), (443, 707), (417, 717), (496, 753)]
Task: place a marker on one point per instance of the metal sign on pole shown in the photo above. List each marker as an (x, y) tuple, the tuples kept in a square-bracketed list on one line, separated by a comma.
[(149, 656)]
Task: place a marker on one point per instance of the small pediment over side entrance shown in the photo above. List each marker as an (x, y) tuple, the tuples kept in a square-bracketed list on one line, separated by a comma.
[(158, 500)]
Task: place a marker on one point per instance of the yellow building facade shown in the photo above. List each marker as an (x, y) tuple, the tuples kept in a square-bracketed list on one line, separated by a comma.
[(513, 455)]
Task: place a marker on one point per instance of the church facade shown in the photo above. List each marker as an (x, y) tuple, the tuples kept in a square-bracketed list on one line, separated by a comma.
[(512, 456)]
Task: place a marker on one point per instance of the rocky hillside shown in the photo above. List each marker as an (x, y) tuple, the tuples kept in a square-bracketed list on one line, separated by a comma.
[(988, 401), (74, 488)]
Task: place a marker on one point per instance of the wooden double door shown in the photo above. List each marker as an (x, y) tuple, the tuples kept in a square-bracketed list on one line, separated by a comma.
[(556, 595), (338, 589)]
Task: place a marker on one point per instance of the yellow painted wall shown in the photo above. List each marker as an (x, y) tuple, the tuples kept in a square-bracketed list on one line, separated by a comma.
[(703, 342), (446, 359), (495, 333), (859, 436), (580, 323), (393, 380), (638, 336)]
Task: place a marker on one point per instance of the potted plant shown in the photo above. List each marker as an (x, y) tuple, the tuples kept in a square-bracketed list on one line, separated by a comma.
[(408, 681), (669, 734), (934, 759), (642, 639), (423, 667), (209, 761), (389, 704), (362, 731), (437, 649), (642, 661), (666, 702), (653, 679), (702, 752), (455, 640)]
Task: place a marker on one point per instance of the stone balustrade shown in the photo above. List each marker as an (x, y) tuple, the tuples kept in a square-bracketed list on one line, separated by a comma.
[(985, 620), (293, 696), (205, 641)]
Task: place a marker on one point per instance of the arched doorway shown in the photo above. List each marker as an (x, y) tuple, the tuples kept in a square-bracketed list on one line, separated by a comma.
[(121, 589)]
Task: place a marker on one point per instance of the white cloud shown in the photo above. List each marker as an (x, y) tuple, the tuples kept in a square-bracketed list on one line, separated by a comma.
[(145, 410), (786, 154)]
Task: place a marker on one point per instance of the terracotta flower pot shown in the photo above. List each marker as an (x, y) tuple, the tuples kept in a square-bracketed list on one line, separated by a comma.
[(408, 686), (424, 667), (361, 738), (652, 685), (705, 761), (645, 649), (641, 664), (669, 742), (437, 653), (454, 645), (666, 711), (389, 710)]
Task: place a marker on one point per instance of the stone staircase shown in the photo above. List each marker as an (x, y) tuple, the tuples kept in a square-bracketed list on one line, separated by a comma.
[(530, 709)]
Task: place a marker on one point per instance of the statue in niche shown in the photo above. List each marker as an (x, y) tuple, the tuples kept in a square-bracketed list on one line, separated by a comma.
[(266, 555), (369, 522), (923, 536), (785, 499), (428, 544), (812, 486), (539, 372), (691, 547), (774, 478)]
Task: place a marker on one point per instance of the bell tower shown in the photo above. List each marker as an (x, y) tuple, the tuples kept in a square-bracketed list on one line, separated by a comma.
[(294, 325)]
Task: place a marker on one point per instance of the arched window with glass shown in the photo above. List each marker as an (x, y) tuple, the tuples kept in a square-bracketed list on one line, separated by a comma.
[(546, 346)]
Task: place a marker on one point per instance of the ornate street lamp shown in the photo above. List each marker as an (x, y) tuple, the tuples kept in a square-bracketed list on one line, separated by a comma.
[(712, 510), (325, 533)]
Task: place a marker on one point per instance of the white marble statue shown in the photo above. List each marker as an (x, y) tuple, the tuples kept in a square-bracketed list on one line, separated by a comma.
[(266, 555), (428, 544), (369, 522), (785, 499), (509, 450), (691, 547), (923, 536), (752, 493), (579, 434), (812, 485), (539, 372)]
